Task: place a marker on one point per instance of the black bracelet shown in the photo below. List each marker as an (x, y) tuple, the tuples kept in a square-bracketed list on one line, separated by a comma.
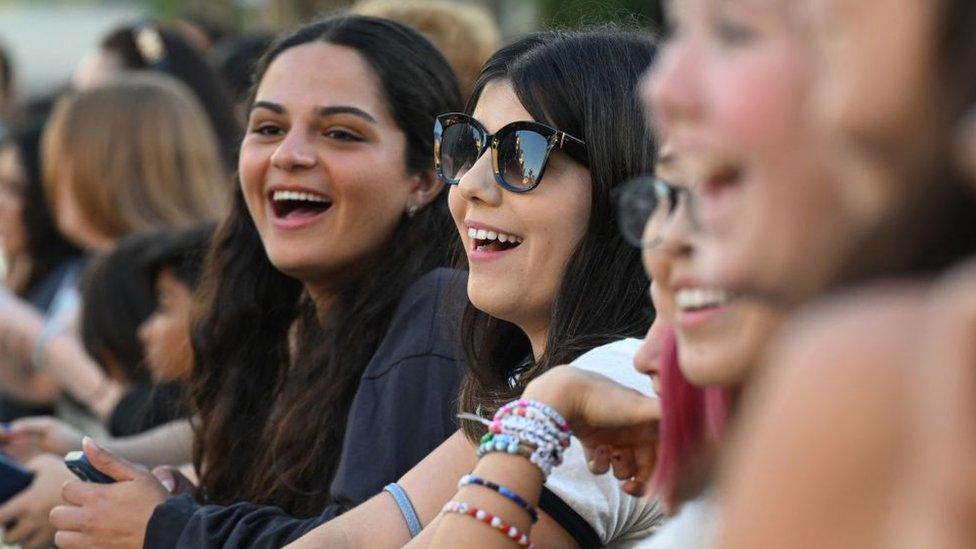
[(503, 491)]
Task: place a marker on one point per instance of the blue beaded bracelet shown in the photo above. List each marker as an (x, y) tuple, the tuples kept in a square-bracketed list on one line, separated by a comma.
[(503, 491)]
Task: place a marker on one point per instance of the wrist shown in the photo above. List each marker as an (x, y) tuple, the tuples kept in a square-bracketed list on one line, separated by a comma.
[(555, 389)]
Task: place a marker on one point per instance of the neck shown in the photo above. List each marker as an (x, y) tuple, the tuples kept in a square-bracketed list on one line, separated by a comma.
[(322, 296), (537, 339)]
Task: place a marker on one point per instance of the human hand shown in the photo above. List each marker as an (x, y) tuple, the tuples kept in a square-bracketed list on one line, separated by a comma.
[(107, 515), (174, 480), (616, 425), (26, 514), (25, 438)]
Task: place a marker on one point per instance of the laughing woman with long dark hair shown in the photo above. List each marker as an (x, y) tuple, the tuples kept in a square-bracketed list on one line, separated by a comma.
[(325, 336)]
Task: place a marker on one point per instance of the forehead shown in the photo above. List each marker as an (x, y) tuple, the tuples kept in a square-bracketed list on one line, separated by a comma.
[(320, 74), (498, 105)]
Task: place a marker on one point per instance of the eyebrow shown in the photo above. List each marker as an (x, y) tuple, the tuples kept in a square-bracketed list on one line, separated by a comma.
[(320, 111)]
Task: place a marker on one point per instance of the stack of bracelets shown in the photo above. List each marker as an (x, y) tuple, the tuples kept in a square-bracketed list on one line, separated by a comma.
[(527, 428)]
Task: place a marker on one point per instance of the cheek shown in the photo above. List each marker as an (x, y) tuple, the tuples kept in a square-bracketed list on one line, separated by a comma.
[(458, 207), (251, 169), (369, 205)]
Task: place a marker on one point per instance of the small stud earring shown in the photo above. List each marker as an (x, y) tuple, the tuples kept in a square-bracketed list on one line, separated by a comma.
[(412, 210)]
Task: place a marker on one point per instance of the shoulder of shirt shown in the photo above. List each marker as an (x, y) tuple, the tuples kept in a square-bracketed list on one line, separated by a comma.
[(424, 323), (615, 360)]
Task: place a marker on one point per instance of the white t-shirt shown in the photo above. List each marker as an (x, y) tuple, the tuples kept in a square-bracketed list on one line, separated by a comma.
[(613, 514), (694, 527)]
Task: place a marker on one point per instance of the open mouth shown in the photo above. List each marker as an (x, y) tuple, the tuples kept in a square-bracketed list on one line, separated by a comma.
[(298, 204), (700, 299), (491, 241)]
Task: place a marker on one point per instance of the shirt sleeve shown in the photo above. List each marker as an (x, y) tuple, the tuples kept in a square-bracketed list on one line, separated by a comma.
[(396, 420), (182, 522)]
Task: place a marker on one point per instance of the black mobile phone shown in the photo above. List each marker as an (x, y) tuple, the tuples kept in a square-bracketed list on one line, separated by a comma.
[(13, 478), (78, 464)]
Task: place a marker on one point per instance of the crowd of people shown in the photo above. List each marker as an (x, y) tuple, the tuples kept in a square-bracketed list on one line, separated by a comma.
[(382, 281)]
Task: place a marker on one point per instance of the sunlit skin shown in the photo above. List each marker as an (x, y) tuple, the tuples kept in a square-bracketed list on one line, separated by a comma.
[(877, 133), (717, 344), (729, 91), (165, 335), (327, 132), (552, 219)]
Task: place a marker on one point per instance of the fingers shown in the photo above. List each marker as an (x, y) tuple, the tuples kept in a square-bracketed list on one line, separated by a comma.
[(108, 463), (77, 492), (13, 510), (166, 477), (645, 458), (40, 540), (31, 425), (64, 517), (21, 532), (598, 460), (66, 539), (623, 463)]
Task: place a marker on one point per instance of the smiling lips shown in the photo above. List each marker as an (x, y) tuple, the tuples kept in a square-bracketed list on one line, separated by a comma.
[(293, 209), (492, 241)]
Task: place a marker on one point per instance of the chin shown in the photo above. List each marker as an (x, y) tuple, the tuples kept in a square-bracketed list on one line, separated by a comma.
[(495, 302)]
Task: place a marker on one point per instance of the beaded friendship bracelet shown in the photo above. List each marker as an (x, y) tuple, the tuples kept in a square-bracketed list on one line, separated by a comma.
[(481, 515), (507, 493), (527, 428)]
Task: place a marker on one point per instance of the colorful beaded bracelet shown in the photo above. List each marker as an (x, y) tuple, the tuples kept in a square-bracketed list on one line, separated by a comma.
[(481, 515), (507, 493)]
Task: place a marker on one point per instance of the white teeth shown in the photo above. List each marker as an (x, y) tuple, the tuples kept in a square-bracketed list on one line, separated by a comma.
[(297, 195), (700, 298), (482, 234)]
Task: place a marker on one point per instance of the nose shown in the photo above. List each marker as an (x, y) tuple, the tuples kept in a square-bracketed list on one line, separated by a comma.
[(294, 152), (677, 234), (647, 360), (478, 184)]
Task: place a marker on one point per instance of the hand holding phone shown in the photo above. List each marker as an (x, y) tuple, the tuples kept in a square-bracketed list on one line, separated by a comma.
[(77, 462)]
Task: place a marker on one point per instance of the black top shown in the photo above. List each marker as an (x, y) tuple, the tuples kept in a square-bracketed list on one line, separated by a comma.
[(144, 406), (403, 409)]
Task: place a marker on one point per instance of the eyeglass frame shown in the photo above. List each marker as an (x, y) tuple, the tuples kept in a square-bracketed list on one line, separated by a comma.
[(673, 189), (557, 139)]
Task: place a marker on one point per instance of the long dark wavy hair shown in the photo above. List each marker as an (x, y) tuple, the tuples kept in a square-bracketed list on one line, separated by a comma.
[(271, 422), (584, 83)]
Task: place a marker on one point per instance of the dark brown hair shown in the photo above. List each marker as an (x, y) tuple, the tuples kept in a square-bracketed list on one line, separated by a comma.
[(564, 79), (271, 423)]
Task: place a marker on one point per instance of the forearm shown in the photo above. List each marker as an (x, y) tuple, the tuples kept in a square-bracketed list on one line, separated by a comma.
[(21, 381), (512, 471), (75, 371), (169, 444)]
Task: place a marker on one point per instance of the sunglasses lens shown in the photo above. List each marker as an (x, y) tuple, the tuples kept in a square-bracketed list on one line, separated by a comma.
[(460, 145), (644, 207), (521, 155)]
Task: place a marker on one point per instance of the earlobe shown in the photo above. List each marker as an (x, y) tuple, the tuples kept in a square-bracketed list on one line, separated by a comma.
[(425, 188)]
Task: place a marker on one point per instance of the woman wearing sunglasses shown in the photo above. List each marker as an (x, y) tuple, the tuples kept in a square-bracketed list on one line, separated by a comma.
[(532, 166), (719, 339)]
